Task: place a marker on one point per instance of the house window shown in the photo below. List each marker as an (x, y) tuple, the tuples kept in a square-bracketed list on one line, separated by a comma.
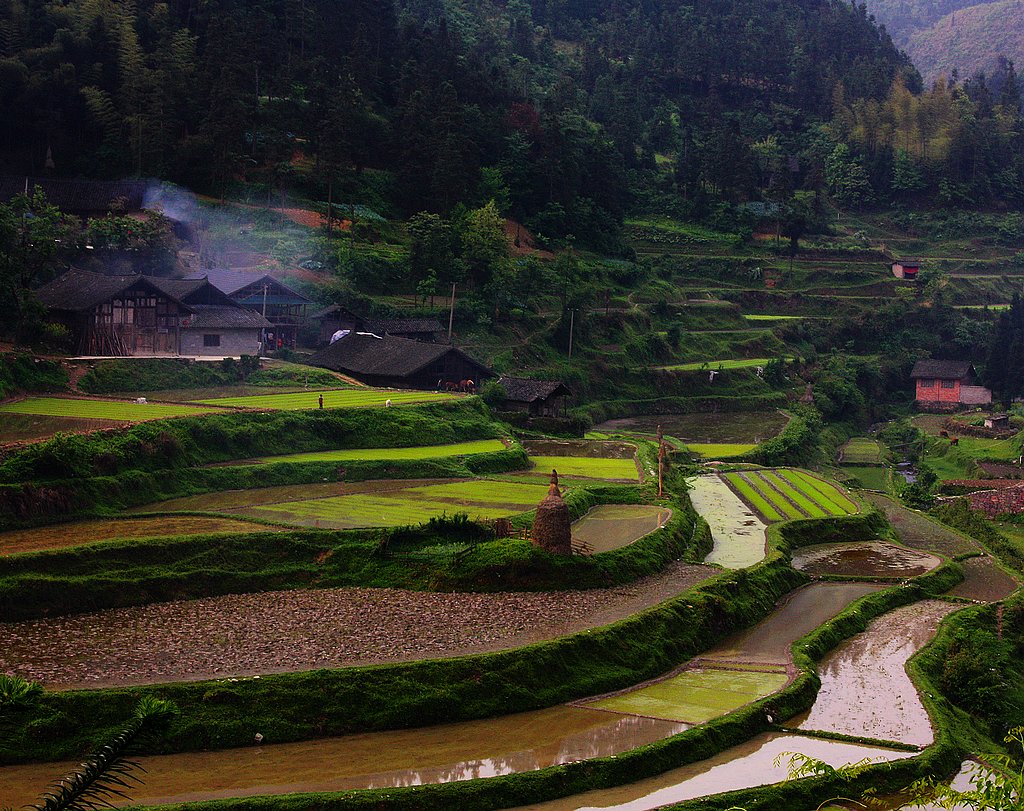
[(948, 384), (927, 384), (211, 340)]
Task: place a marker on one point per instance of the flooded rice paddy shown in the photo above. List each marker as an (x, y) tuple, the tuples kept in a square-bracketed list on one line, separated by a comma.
[(918, 531), (462, 751), (237, 635), (746, 667), (612, 526), (750, 764), (865, 689), (59, 536), (863, 559), (984, 581), (729, 428), (738, 534)]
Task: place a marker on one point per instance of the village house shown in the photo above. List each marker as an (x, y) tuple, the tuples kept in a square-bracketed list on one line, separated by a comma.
[(335, 319), (282, 306), (947, 385), (150, 316), (539, 398), (389, 360)]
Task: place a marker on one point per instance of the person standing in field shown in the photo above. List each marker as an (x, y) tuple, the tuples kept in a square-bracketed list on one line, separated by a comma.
[(321, 401)]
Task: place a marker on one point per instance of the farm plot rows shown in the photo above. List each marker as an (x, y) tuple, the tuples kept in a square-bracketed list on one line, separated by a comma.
[(591, 468), (333, 398), (784, 494), (862, 450), (719, 450)]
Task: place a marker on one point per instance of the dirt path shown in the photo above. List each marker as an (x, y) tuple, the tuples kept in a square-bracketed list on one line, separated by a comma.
[(288, 631)]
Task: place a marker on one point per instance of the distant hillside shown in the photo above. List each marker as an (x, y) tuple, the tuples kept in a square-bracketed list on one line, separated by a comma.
[(942, 35), (970, 40)]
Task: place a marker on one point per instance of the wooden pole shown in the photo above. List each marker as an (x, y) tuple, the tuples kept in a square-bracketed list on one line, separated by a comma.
[(451, 314)]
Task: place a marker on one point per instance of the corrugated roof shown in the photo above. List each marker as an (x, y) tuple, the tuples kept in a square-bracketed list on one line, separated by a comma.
[(387, 356), (213, 316), (942, 369), (524, 390), (84, 196)]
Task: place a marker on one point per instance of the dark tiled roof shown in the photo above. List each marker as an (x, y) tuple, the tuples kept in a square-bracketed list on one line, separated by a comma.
[(80, 196), (232, 281), (212, 316), (179, 289), (78, 290), (387, 356), (942, 369), (523, 390), (399, 325)]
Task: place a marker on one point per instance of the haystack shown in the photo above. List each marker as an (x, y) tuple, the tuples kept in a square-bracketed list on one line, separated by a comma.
[(552, 527)]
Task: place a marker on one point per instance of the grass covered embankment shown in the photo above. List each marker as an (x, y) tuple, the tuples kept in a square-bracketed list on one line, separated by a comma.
[(112, 470)]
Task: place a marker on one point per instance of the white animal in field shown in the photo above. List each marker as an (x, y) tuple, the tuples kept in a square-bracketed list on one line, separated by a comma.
[(387, 403)]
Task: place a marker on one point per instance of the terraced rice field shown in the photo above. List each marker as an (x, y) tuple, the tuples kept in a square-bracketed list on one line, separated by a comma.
[(118, 410), (698, 695), (481, 499), (86, 532), (862, 450), (387, 454), (719, 450), (785, 494), (333, 398), (590, 468), (870, 477)]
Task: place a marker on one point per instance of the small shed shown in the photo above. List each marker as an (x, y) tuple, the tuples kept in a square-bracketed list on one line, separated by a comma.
[(906, 268), (388, 360), (539, 398), (997, 421)]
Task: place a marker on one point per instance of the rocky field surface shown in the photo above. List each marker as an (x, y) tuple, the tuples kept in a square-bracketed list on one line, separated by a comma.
[(248, 634)]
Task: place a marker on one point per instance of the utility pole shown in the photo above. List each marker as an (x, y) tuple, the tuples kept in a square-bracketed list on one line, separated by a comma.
[(572, 326), (265, 317), (451, 314)]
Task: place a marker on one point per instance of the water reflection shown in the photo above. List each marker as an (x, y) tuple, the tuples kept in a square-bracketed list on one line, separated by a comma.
[(863, 559)]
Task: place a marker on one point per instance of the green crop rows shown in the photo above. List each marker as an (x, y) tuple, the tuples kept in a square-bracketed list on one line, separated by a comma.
[(334, 398), (785, 494), (391, 454), (736, 363), (591, 468), (118, 410)]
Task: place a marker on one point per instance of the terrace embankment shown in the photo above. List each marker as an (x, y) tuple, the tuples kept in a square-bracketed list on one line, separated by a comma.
[(274, 632)]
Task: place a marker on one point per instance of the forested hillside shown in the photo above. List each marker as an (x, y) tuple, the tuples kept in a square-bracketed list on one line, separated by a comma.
[(555, 109), (943, 36)]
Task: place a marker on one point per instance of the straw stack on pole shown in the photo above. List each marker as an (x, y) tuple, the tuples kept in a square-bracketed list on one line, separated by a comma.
[(552, 526)]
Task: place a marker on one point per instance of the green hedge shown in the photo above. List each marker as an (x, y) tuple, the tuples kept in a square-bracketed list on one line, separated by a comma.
[(161, 374), (603, 410), (24, 373)]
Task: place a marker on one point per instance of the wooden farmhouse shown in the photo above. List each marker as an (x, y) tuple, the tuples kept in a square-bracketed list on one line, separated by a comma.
[(283, 307), (146, 315), (906, 268), (947, 385), (388, 360), (335, 319), (538, 398)]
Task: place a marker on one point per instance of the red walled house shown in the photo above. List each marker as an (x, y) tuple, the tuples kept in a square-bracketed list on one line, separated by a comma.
[(947, 385)]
